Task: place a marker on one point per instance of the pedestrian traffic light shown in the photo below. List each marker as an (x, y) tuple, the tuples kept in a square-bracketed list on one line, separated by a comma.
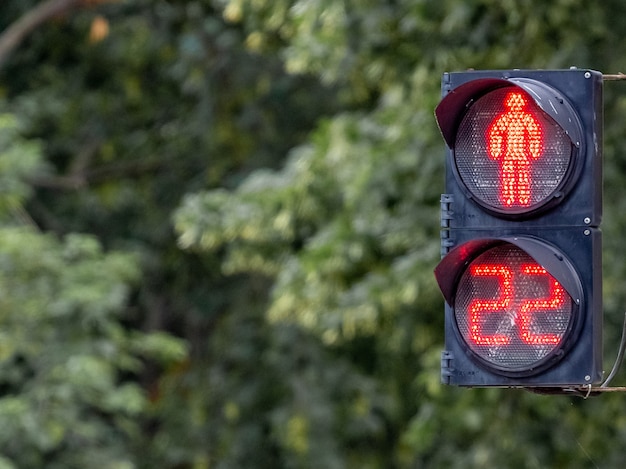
[(521, 245)]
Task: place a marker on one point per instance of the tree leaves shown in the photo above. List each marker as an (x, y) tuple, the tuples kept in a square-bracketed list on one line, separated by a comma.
[(299, 137), (63, 351)]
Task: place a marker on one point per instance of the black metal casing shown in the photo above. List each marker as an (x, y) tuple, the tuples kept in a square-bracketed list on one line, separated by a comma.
[(563, 236)]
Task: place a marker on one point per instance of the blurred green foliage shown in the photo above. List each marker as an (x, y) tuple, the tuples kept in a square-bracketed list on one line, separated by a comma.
[(68, 398)]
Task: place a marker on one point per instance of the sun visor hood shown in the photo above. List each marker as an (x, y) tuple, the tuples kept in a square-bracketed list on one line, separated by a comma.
[(453, 106), (453, 264)]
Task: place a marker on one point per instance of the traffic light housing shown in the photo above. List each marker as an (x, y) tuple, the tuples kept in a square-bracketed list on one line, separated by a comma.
[(521, 245)]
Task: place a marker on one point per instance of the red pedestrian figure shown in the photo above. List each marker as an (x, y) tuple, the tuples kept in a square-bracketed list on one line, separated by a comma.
[(515, 138)]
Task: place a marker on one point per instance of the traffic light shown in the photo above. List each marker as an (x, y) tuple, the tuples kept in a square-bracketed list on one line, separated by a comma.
[(521, 245)]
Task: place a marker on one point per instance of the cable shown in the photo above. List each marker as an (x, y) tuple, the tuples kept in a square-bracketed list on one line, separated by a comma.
[(620, 357)]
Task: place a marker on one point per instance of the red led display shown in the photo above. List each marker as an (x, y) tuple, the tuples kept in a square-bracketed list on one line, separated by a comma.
[(515, 138), (510, 155), (479, 307), (554, 301), (509, 310)]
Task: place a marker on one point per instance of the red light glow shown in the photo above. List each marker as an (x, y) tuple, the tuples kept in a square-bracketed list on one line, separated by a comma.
[(479, 307), (515, 138), (553, 302), (511, 299), (510, 310), (510, 155)]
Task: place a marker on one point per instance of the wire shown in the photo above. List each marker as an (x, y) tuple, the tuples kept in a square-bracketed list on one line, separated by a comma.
[(620, 357)]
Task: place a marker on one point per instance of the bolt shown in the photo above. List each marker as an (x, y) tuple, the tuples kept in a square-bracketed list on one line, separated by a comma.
[(587, 220), (587, 378), (587, 75), (587, 232)]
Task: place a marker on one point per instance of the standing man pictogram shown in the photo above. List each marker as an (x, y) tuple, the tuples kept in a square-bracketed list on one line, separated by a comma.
[(515, 138)]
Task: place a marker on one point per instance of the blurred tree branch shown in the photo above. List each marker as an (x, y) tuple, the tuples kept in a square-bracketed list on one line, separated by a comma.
[(12, 37)]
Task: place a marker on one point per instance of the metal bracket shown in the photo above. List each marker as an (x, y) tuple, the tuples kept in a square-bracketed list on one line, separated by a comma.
[(447, 214), (447, 358)]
